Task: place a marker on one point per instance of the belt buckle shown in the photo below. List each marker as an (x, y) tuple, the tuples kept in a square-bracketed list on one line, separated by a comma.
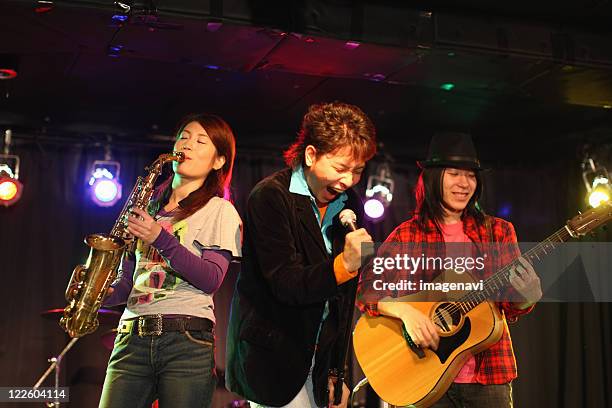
[(157, 322)]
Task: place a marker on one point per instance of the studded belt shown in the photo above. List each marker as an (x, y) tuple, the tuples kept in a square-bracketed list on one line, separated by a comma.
[(155, 325)]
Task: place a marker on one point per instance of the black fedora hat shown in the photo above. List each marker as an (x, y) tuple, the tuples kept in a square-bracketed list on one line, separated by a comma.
[(451, 150)]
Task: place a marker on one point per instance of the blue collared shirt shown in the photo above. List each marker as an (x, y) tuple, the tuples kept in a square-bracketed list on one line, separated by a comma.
[(299, 186)]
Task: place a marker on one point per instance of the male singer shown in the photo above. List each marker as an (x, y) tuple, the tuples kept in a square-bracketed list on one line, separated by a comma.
[(299, 265)]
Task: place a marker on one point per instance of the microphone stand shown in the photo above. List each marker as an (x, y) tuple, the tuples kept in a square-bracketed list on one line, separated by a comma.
[(56, 362), (338, 372)]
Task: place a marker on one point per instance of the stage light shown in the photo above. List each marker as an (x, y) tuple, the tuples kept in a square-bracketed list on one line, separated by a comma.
[(123, 7), (600, 192), (43, 6), (596, 181), (373, 208), (351, 45), (119, 18), (8, 189), (10, 186), (599, 196), (213, 26), (122, 15), (6, 73), (447, 86), (114, 50), (379, 192), (8, 66), (104, 185)]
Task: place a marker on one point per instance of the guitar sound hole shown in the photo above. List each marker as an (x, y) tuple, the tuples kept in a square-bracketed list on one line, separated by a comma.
[(447, 317)]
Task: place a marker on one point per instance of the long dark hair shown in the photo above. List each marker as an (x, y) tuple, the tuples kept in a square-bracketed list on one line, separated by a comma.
[(428, 194), (217, 182)]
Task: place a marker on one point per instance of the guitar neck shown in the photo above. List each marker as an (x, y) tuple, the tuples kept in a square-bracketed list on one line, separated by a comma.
[(501, 280)]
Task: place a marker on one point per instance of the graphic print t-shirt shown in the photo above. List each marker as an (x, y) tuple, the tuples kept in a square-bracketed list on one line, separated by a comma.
[(158, 289)]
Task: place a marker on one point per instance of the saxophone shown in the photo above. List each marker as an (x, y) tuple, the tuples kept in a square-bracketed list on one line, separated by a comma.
[(89, 283)]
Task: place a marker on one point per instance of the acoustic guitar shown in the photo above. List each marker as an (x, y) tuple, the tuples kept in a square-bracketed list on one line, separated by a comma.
[(403, 374)]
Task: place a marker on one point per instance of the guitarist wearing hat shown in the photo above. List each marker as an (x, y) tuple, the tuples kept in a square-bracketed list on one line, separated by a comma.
[(447, 193)]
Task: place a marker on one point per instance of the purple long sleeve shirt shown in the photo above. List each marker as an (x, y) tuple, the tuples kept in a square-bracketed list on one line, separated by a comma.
[(205, 273)]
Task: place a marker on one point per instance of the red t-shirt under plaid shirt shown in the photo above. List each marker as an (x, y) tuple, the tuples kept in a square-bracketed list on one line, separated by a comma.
[(497, 364)]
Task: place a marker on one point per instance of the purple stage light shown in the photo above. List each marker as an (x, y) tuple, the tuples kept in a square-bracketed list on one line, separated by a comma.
[(105, 189), (374, 209)]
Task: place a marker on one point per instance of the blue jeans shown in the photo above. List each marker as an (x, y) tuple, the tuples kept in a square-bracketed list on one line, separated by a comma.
[(175, 368)]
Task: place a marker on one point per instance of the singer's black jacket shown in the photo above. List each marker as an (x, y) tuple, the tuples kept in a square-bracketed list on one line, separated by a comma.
[(286, 277)]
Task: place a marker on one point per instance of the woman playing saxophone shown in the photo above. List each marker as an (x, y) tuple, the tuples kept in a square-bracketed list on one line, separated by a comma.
[(186, 240)]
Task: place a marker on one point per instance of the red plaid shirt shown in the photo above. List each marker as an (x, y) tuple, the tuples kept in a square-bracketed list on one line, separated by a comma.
[(497, 364)]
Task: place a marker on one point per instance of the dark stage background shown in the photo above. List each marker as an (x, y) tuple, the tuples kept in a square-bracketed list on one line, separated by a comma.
[(532, 81), (563, 350)]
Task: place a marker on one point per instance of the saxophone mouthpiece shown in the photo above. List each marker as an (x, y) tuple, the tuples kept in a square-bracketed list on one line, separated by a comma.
[(180, 156)]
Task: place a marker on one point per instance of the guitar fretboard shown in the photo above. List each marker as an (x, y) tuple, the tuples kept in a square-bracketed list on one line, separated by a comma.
[(501, 280)]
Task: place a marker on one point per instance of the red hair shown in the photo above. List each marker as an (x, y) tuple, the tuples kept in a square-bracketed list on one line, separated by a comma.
[(332, 126)]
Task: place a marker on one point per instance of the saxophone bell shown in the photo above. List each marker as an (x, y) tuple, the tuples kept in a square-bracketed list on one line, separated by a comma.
[(88, 281)]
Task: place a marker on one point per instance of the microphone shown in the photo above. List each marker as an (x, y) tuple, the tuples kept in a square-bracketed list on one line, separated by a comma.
[(348, 219)]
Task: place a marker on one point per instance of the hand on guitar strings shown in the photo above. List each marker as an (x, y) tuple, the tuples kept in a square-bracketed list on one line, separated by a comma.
[(526, 282), (422, 331), (345, 394), (143, 226)]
